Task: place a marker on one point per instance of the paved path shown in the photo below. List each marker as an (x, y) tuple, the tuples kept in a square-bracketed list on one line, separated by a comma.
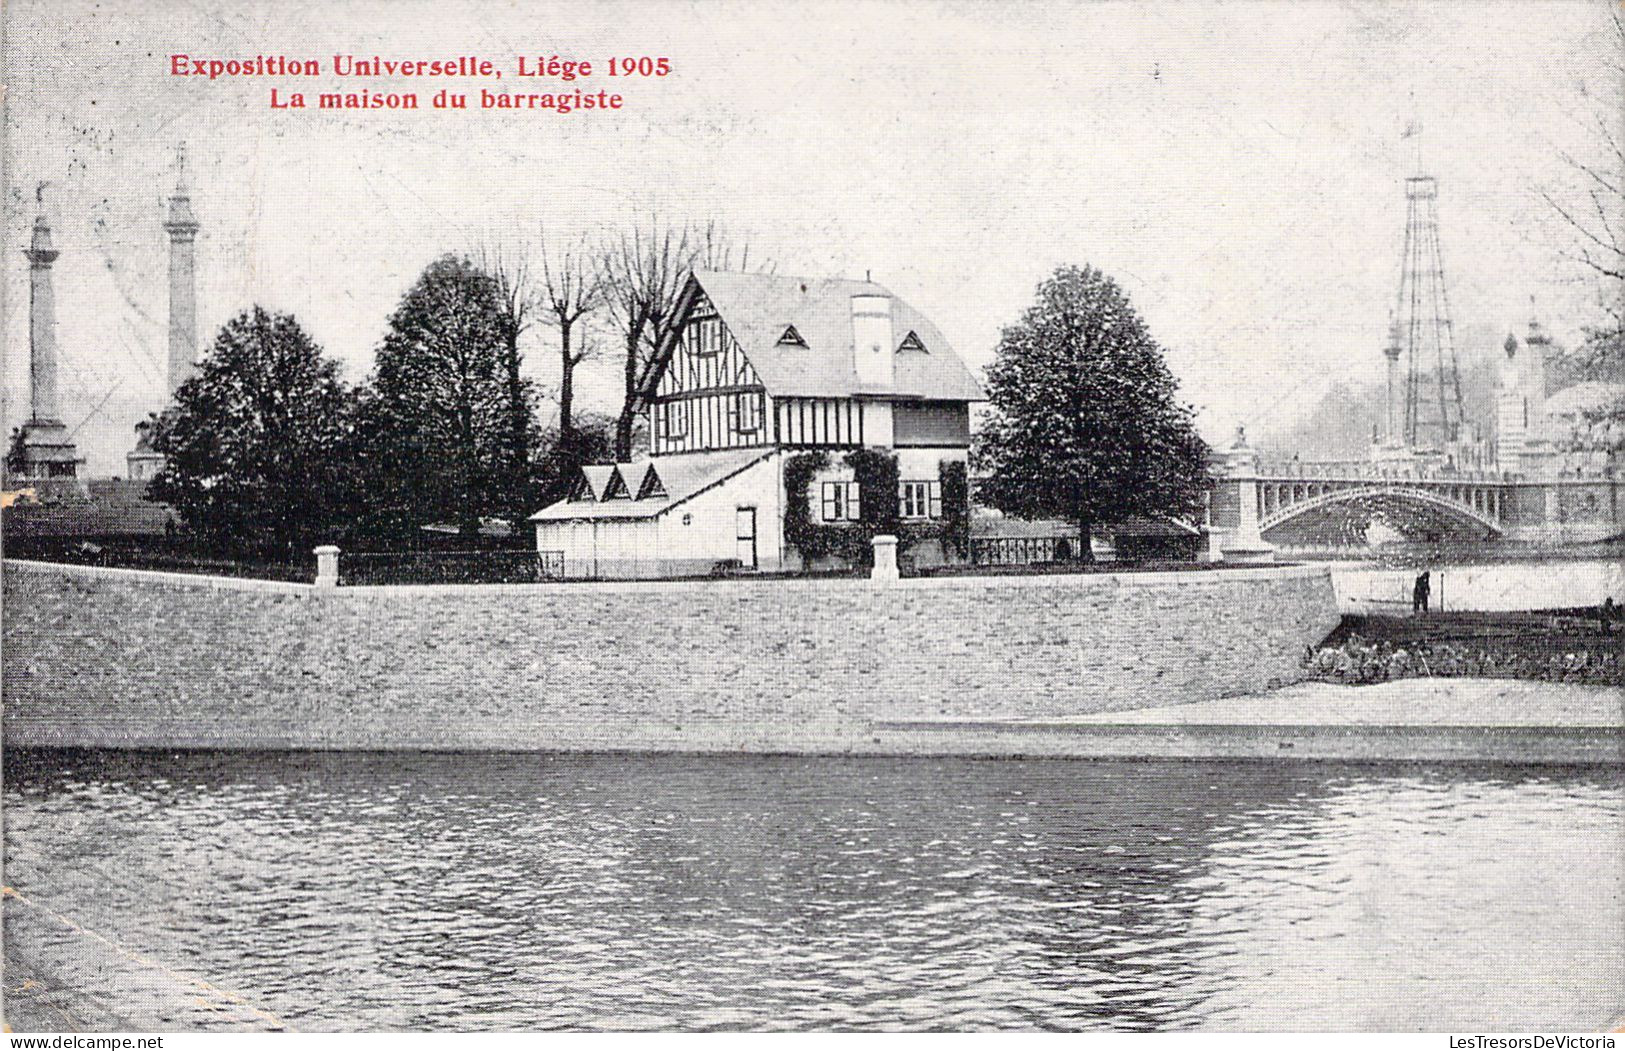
[(1407, 702), (1413, 720)]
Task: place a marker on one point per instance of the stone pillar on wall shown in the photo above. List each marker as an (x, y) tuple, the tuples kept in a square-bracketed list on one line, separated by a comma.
[(1242, 541), (327, 566), (885, 558)]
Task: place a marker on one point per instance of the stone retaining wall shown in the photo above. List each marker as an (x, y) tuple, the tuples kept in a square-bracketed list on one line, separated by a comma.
[(104, 657)]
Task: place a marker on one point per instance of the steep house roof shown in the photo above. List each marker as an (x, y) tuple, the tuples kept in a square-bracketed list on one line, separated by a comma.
[(759, 309), (645, 488)]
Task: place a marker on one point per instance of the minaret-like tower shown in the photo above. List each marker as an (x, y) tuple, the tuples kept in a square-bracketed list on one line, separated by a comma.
[(182, 227), (1539, 346), (1511, 410), (47, 448)]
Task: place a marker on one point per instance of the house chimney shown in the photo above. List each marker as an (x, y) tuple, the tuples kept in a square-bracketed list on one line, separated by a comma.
[(182, 226), (41, 320), (872, 344)]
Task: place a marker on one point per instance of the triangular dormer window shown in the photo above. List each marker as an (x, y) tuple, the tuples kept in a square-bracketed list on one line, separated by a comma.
[(911, 342), (791, 338), (651, 486), (616, 489), (580, 490)]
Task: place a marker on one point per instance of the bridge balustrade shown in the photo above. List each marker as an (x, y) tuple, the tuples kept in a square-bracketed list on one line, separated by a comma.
[(1348, 470)]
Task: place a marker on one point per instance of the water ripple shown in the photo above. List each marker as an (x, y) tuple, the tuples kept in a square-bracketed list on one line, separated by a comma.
[(595, 892)]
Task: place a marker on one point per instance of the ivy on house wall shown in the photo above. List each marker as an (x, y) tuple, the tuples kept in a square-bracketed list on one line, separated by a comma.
[(874, 471), (800, 531), (876, 474), (955, 523)]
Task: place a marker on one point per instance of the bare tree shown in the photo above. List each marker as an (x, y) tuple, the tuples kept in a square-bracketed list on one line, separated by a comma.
[(1597, 221), (514, 281), (1594, 217), (572, 288), (644, 269)]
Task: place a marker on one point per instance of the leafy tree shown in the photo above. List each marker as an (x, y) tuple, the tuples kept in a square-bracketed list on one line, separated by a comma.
[(591, 439), (16, 457), (257, 446), (439, 415), (1084, 424)]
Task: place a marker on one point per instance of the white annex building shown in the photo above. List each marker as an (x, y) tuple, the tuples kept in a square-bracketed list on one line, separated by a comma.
[(758, 369)]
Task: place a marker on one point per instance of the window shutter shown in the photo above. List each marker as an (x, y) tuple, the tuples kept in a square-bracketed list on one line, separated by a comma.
[(936, 499), (854, 505)]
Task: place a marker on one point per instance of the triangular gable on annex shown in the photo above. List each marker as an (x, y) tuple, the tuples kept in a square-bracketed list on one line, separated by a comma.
[(618, 489), (651, 487), (681, 478), (596, 477)]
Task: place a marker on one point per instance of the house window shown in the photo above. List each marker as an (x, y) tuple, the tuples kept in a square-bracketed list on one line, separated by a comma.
[(791, 338), (744, 413), (841, 502), (705, 336), (911, 342), (673, 420), (919, 499)]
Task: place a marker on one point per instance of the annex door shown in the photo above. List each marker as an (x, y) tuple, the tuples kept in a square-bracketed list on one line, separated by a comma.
[(745, 536)]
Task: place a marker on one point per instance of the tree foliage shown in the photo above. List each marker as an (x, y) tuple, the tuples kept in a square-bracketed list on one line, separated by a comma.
[(258, 445), (439, 417), (1083, 422), (590, 439)]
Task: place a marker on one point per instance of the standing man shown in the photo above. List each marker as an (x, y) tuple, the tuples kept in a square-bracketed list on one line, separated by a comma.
[(1420, 594)]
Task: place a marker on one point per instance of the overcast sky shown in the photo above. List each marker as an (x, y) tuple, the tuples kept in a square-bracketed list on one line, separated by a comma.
[(1238, 167)]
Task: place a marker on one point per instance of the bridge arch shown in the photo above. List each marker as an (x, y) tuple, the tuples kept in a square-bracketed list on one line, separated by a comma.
[(1386, 501)]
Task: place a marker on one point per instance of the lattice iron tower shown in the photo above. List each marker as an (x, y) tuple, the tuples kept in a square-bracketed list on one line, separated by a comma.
[(1431, 415)]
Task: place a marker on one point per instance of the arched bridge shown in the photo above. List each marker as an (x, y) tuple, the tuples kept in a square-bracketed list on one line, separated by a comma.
[(1476, 507), (1256, 504)]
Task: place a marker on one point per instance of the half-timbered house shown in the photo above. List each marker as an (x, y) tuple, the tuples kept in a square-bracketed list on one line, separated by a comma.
[(758, 368)]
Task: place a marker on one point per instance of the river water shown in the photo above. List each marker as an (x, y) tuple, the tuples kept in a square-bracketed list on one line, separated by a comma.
[(534, 891)]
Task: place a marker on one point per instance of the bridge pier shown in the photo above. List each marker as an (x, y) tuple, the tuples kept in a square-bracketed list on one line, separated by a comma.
[(1238, 506)]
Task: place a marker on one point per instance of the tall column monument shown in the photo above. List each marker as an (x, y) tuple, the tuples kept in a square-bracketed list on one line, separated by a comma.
[(48, 451), (182, 227)]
